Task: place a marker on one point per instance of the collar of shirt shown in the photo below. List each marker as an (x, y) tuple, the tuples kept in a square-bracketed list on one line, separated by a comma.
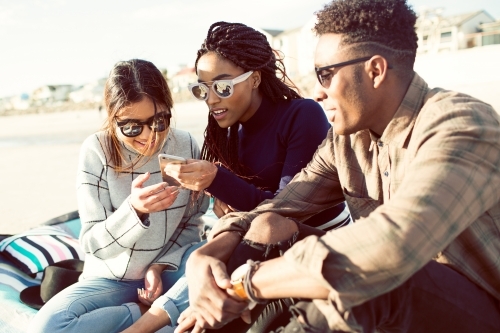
[(262, 117), (401, 125)]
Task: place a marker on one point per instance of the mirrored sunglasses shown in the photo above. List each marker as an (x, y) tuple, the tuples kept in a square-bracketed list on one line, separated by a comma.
[(133, 127), (222, 88)]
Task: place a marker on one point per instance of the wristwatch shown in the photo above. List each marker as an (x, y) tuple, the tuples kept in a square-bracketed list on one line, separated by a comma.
[(237, 280)]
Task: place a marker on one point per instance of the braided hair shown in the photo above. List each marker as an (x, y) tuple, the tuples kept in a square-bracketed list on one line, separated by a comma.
[(249, 49)]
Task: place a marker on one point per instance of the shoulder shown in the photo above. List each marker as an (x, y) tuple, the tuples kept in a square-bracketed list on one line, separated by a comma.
[(455, 109), (92, 151), (183, 141), (182, 136), (303, 105), (95, 142), (304, 113)]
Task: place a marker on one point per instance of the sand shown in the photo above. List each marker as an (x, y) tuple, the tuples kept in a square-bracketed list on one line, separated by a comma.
[(39, 156)]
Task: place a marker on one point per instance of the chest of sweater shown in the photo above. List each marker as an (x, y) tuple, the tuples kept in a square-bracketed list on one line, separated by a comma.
[(263, 153)]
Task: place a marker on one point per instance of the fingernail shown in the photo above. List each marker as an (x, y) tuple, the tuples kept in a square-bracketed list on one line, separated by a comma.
[(138, 291), (150, 294)]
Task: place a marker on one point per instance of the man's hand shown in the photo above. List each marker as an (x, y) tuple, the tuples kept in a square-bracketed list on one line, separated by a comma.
[(210, 304), (187, 319)]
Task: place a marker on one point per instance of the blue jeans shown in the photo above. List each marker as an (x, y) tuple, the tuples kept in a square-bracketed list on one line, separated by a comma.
[(103, 305)]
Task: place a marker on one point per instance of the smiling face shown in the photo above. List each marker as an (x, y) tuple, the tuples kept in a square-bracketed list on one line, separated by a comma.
[(346, 96), (245, 100), (148, 142)]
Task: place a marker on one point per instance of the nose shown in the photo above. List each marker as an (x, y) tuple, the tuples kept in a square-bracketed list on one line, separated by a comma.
[(212, 97), (319, 92), (146, 132)]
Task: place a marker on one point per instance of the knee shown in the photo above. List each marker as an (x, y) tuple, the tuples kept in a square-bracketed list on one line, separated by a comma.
[(270, 228)]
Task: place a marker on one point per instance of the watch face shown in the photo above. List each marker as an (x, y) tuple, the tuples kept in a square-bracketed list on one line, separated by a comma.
[(239, 273)]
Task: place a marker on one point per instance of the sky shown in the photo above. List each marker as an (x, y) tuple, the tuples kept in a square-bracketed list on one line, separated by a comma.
[(78, 41)]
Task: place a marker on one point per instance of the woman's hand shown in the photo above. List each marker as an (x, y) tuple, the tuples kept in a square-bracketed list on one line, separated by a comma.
[(195, 175), (153, 198), (186, 321), (153, 284), (221, 208)]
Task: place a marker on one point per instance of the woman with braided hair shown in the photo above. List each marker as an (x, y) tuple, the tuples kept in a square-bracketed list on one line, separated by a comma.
[(260, 133)]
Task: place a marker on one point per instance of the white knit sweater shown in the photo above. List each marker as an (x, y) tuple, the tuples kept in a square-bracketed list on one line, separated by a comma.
[(118, 245)]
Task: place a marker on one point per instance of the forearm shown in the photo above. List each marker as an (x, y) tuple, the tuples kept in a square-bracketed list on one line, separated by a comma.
[(220, 247), (236, 192), (151, 321), (278, 279)]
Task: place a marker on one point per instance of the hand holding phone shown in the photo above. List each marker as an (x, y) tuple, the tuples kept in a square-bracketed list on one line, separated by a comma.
[(152, 198), (165, 159)]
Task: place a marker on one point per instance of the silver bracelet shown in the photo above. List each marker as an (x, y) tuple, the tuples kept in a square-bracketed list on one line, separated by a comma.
[(247, 284)]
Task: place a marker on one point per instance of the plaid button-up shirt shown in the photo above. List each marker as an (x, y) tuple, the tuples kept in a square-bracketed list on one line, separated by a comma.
[(427, 189)]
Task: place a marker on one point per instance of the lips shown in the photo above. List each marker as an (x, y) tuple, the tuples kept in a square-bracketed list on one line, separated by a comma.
[(330, 115), (144, 144), (218, 113)]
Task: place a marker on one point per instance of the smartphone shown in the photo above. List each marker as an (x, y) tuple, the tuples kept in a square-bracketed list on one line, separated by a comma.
[(165, 159)]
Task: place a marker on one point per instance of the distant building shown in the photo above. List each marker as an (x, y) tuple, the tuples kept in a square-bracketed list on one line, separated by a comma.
[(270, 34), (88, 93), (437, 33), (297, 46), (50, 94), (180, 80), (16, 102)]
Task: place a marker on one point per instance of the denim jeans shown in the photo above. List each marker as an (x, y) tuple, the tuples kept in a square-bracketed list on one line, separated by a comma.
[(103, 305), (436, 299)]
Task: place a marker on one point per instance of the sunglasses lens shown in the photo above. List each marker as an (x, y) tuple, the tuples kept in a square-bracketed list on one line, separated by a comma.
[(222, 88), (160, 123), (325, 80), (200, 91), (131, 130)]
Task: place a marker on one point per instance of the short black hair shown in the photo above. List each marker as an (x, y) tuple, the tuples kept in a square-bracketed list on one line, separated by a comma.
[(386, 26)]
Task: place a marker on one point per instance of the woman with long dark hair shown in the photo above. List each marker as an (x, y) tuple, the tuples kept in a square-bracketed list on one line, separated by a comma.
[(260, 131), (135, 228)]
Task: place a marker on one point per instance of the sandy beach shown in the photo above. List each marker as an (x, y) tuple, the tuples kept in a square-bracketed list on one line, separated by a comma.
[(39, 160)]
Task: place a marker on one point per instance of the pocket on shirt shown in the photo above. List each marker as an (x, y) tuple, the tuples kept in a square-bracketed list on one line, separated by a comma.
[(360, 207)]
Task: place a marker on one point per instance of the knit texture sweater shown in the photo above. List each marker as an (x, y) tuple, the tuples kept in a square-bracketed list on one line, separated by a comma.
[(118, 244)]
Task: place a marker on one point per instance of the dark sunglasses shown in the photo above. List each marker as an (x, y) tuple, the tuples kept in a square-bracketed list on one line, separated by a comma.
[(325, 78), (133, 127)]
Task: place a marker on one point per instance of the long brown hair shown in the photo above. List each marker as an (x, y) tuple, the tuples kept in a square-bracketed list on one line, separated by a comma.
[(250, 50), (130, 82)]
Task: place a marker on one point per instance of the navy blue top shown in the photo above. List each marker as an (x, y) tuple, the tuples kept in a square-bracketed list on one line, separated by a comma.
[(274, 145)]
